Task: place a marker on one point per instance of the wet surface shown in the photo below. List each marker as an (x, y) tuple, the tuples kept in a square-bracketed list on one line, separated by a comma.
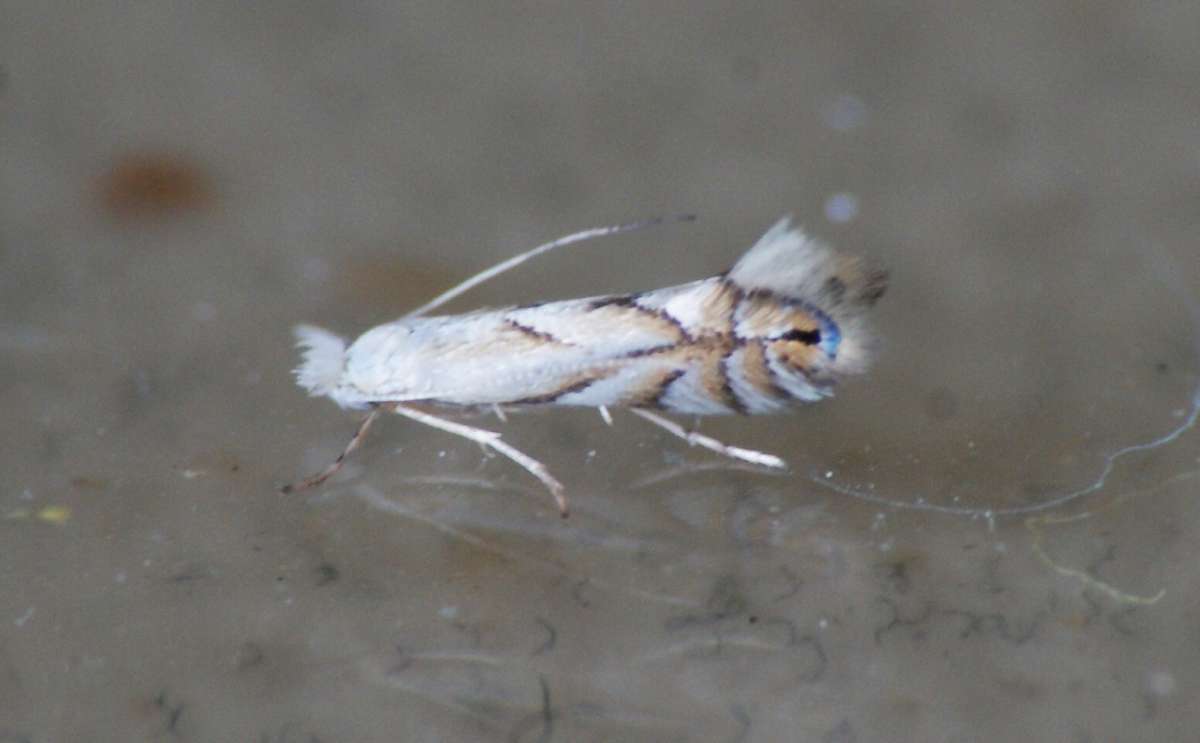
[(990, 536)]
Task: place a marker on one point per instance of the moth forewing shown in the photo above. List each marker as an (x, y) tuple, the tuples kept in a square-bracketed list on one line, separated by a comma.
[(777, 329)]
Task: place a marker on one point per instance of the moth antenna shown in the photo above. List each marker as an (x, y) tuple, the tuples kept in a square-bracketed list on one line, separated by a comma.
[(517, 260)]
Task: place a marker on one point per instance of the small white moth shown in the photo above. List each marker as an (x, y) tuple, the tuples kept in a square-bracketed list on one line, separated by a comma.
[(778, 328)]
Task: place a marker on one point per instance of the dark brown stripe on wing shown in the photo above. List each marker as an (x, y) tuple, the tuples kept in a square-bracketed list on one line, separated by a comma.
[(714, 376), (619, 300), (534, 332), (759, 374), (732, 287), (550, 397), (728, 394), (650, 394), (638, 353)]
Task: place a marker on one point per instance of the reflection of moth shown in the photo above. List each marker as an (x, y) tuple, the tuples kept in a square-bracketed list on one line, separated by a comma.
[(778, 328)]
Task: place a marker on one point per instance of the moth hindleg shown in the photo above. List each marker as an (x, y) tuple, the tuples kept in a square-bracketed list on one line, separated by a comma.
[(698, 439)]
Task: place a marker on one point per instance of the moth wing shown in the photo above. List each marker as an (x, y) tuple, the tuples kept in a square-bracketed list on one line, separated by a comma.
[(789, 263), (788, 269), (533, 354), (603, 327)]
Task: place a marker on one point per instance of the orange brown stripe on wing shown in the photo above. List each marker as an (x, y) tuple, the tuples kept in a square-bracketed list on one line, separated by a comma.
[(625, 311), (649, 392), (761, 315), (757, 372), (717, 311), (715, 376)]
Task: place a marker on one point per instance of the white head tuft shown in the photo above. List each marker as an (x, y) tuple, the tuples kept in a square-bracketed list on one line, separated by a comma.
[(320, 371)]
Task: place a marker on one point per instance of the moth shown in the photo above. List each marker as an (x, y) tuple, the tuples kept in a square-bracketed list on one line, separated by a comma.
[(779, 328)]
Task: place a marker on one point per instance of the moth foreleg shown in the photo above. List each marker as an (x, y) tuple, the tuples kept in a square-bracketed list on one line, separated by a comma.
[(331, 470), (698, 439), (492, 439)]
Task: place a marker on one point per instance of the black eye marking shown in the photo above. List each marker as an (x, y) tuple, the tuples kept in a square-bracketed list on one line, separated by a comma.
[(807, 337)]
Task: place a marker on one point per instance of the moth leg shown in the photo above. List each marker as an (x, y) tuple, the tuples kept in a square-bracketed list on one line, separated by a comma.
[(328, 472), (607, 416), (499, 412), (698, 439), (492, 439)]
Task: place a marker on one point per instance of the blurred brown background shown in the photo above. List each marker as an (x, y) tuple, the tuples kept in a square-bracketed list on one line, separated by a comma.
[(180, 183)]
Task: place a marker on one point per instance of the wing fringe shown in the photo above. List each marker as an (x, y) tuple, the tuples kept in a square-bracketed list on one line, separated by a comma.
[(793, 266)]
